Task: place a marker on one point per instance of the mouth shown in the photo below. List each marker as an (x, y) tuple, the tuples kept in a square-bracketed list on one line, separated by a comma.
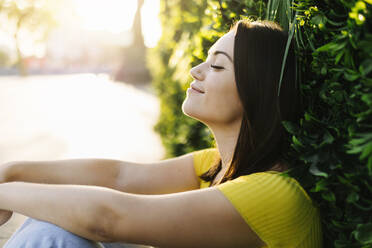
[(195, 89)]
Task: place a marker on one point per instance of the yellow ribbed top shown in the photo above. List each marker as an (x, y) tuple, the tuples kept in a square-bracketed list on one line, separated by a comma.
[(275, 207)]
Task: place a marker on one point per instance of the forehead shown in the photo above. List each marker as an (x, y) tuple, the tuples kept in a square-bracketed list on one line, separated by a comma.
[(225, 44)]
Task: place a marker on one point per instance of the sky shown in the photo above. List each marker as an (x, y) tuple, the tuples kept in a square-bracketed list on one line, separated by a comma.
[(114, 16), (117, 15)]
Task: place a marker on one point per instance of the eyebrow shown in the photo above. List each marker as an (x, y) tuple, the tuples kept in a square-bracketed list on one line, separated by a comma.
[(222, 52)]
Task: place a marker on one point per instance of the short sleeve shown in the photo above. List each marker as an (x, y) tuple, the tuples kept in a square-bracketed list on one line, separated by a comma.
[(274, 206), (204, 159)]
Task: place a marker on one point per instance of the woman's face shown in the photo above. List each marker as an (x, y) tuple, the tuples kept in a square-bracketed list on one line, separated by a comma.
[(218, 102)]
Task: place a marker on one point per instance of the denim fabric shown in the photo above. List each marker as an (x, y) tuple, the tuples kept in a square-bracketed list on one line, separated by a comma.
[(40, 234)]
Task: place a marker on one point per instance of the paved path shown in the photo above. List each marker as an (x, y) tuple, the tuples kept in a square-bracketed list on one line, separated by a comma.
[(75, 116)]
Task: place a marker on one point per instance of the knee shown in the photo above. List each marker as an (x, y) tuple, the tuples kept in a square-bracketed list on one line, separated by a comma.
[(36, 233)]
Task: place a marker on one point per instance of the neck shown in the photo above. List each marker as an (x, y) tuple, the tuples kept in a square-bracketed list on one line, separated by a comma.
[(226, 137)]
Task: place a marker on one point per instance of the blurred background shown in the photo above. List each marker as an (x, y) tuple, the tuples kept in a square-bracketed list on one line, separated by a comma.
[(74, 82), (45, 37), (74, 75)]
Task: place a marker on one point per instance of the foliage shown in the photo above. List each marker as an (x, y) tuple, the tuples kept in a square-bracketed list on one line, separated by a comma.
[(334, 139), (331, 145), (26, 22), (169, 63)]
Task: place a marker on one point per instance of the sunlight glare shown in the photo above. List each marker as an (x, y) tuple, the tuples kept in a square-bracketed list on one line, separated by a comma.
[(111, 15), (151, 26), (117, 15)]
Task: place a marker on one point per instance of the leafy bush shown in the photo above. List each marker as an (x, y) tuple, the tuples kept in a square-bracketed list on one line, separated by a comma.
[(334, 139), (331, 145), (169, 63)]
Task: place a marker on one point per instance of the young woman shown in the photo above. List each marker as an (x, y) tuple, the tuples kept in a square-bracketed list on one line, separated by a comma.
[(230, 196)]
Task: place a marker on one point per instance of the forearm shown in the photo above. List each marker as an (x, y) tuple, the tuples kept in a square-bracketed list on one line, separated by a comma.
[(97, 172), (82, 210)]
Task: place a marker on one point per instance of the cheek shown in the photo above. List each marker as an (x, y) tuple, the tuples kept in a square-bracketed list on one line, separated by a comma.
[(226, 104), (220, 104)]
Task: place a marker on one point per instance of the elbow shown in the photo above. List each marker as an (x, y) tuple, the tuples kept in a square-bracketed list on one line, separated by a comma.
[(97, 233), (6, 172), (103, 227)]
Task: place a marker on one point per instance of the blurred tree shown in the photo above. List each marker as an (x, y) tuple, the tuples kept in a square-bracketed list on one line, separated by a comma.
[(26, 21), (133, 68), (137, 27)]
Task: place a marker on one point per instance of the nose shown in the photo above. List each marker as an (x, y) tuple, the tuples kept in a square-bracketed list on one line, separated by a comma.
[(197, 73)]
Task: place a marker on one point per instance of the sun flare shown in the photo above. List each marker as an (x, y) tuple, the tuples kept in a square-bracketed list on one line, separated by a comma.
[(117, 16)]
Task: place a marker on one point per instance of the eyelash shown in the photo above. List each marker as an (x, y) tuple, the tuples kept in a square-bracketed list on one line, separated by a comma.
[(217, 67)]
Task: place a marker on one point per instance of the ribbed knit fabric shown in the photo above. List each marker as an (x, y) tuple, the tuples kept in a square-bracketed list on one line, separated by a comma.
[(275, 207)]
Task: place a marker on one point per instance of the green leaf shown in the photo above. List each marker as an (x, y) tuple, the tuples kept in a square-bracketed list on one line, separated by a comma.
[(367, 98), (363, 233), (352, 197), (355, 150), (310, 117), (332, 46), (367, 150), (318, 19), (297, 142), (289, 40), (323, 71), (321, 185), (272, 9), (327, 138), (366, 67), (291, 127), (335, 23), (351, 76), (329, 196), (339, 56), (316, 172)]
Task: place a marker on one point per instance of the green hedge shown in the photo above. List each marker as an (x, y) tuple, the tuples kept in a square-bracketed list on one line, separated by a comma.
[(331, 145)]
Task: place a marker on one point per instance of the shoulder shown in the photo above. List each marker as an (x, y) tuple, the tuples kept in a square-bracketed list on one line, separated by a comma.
[(272, 204), (205, 153), (204, 159), (269, 183)]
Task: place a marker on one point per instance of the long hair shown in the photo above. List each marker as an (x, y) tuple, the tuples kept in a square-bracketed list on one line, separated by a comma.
[(259, 49)]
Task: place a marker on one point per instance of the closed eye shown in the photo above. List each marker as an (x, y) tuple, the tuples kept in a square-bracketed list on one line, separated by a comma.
[(217, 67)]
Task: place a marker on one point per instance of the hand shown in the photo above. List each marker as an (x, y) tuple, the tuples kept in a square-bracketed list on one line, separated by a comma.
[(5, 215)]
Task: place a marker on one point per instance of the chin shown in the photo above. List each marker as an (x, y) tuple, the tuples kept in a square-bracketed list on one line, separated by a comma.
[(186, 108), (189, 110), (194, 111)]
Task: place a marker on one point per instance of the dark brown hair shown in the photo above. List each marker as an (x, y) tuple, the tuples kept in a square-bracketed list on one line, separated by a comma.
[(259, 49)]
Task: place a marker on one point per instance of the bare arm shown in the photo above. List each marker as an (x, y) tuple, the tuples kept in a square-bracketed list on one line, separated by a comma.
[(198, 218), (166, 176), (79, 209), (98, 172)]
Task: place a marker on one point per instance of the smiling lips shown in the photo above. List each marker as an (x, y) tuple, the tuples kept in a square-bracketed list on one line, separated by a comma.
[(196, 88)]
